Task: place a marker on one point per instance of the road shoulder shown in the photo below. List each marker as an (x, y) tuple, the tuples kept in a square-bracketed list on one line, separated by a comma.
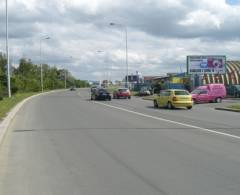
[(5, 123)]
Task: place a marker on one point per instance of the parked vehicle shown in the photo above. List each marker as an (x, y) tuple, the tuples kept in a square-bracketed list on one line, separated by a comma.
[(209, 93), (100, 94), (93, 88), (122, 93), (144, 91), (72, 88), (233, 90), (173, 98)]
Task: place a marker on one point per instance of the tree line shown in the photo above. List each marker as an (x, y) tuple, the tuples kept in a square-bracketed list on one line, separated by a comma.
[(27, 77)]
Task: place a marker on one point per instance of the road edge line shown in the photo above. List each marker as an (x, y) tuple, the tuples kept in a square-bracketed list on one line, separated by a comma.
[(170, 121)]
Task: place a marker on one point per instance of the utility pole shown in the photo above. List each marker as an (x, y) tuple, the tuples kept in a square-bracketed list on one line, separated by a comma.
[(7, 53), (41, 60), (126, 40)]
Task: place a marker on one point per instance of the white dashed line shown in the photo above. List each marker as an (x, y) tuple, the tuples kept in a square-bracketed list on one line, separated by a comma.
[(169, 121)]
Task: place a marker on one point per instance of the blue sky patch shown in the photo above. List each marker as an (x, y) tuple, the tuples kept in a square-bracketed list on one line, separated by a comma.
[(233, 2)]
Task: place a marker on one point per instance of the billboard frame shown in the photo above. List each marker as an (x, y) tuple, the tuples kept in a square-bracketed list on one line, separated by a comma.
[(225, 64)]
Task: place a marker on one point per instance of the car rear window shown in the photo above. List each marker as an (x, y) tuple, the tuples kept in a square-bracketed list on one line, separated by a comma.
[(123, 90), (102, 91), (238, 87), (181, 93)]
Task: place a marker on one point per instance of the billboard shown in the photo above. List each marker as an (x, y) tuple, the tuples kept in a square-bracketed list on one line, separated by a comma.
[(206, 64)]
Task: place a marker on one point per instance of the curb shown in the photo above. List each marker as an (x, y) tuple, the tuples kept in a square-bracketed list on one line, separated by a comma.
[(228, 109), (11, 114)]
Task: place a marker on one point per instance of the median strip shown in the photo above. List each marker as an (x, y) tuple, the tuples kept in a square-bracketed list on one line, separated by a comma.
[(169, 121)]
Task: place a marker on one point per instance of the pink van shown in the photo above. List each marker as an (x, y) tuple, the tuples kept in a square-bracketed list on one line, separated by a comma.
[(209, 93)]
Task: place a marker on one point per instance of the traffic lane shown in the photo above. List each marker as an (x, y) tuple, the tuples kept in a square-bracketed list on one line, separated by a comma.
[(37, 148), (114, 153), (202, 115)]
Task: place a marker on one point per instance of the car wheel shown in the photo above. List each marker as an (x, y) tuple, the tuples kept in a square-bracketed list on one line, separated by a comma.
[(129, 97), (117, 97), (218, 100), (109, 98), (155, 104), (169, 105), (189, 107)]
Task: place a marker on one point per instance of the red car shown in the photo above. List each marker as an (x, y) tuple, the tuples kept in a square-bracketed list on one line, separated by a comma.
[(122, 93)]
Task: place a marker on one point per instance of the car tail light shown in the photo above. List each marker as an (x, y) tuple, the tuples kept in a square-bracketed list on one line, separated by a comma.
[(174, 98)]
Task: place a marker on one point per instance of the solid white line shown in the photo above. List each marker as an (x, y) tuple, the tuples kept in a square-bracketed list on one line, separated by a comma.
[(169, 121)]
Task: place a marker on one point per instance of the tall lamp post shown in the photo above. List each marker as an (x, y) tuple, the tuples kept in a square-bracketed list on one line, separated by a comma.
[(42, 39), (126, 37), (7, 53)]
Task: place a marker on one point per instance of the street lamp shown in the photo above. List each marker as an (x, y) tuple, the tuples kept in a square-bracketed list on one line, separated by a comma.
[(126, 36), (42, 39), (7, 54)]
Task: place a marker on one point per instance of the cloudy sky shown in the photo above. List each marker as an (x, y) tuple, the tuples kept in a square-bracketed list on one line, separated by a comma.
[(161, 33)]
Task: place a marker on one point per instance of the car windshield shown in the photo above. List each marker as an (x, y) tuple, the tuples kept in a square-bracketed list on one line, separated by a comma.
[(196, 91), (238, 87), (181, 93)]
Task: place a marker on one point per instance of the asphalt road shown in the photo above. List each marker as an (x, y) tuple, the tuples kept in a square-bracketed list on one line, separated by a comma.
[(64, 144)]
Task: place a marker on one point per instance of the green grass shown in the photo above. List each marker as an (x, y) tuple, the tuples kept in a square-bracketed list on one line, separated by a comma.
[(135, 93), (235, 106), (111, 89), (8, 103), (152, 97)]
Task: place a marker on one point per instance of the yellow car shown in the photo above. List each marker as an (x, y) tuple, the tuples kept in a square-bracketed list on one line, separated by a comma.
[(173, 98)]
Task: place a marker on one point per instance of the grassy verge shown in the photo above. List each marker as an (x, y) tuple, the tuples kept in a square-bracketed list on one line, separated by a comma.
[(149, 97), (235, 106), (135, 93), (111, 89), (8, 103)]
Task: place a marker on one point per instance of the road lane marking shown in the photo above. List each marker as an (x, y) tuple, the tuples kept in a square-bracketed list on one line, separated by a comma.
[(169, 121)]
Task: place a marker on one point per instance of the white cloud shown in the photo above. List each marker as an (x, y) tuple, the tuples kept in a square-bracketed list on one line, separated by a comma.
[(160, 33), (201, 18)]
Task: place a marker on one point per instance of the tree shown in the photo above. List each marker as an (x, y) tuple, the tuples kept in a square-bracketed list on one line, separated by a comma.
[(27, 77), (3, 75)]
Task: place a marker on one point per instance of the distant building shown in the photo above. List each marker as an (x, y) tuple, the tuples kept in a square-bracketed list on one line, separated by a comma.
[(148, 79), (232, 76), (134, 79)]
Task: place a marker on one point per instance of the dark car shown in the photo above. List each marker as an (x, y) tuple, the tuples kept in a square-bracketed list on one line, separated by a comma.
[(100, 94), (122, 93), (233, 90), (72, 89)]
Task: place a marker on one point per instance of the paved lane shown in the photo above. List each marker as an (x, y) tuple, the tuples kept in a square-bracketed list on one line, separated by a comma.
[(202, 115), (62, 143)]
